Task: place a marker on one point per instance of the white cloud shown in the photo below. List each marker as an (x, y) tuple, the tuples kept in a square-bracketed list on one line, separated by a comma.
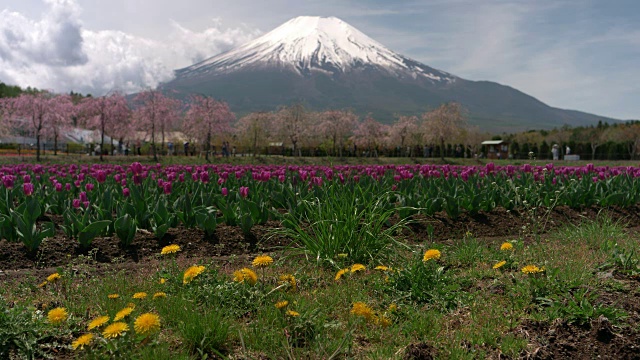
[(56, 53)]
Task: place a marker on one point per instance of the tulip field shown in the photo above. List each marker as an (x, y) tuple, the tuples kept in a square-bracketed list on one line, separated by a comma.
[(302, 261)]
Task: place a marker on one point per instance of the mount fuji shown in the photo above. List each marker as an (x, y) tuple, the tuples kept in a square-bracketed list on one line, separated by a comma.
[(326, 63)]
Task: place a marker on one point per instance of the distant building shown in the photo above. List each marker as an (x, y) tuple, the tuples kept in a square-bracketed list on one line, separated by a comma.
[(497, 149)]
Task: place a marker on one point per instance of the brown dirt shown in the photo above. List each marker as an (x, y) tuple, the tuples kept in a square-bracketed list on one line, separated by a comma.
[(555, 340)]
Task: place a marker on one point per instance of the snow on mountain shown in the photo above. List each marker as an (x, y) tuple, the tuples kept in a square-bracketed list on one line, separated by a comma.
[(310, 43)]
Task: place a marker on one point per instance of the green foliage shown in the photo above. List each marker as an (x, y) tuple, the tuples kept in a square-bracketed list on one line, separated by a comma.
[(125, 228), (204, 333), (24, 219)]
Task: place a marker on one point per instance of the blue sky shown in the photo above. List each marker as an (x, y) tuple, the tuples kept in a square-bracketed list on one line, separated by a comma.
[(574, 54)]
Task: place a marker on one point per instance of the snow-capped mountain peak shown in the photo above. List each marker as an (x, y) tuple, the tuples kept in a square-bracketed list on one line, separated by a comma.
[(312, 43)]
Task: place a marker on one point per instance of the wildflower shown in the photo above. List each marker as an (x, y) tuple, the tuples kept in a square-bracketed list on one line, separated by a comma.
[(282, 304), (57, 315), (140, 295), (147, 323), (357, 267), (499, 265), (53, 277), (245, 275), (291, 280), (293, 313), (361, 309), (381, 268), (506, 246), (81, 341), (262, 261), (43, 284), (431, 254), (97, 322), (114, 330), (191, 273), (162, 281), (340, 273), (170, 249), (113, 296), (123, 313), (393, 307), (383, 321), (532, 269), (159, 294)]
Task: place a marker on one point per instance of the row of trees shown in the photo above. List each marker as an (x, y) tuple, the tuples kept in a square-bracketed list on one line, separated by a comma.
[(206, 121)]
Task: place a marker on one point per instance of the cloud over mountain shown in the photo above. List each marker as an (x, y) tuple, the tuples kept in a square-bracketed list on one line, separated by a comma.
[(56, 52)]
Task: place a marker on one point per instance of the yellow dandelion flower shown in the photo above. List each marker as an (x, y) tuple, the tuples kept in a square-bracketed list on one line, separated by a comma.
[(43, 284), (123, 313), (53, 277), (357, 267), (170, 249), (506, 246), (289, 279), (262, 261), (393, 307), (162, 281), (282, 304), (131, 305), (114, 330), (191, 273), (113, 296), (81, 341), (140, 295), (361, 309), (382, 268), (57, 315), (383, 321), (341, 273), (499, 265), (531, 269), (292, 313), (97, 322), (159, 294), (245, 275), (147, 323), (431, 254)]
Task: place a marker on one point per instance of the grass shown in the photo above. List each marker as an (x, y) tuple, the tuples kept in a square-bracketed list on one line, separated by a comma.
[(457, 304)]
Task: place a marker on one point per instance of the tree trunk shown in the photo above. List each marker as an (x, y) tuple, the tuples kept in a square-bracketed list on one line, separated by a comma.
[(442, 149), (55, 145), (208, 147), (153, 143), (38, 146), (102, 142)]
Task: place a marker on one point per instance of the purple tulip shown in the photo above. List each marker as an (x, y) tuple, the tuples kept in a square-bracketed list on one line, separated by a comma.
[(244, 191), (67, 186), (27, 188), (224, 191), (126, 192), (136, 168), (101, 176), (89, 186), (26, 179), (137, 179), (58, 187), (167, 187), (204, 177), (83, 196), (75, 203), (8, 181)]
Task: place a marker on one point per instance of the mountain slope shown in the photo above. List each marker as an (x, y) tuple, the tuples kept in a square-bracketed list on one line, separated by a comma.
[(326, 63)]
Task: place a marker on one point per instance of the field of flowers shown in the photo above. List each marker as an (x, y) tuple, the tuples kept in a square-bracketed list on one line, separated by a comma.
[(346, 282)]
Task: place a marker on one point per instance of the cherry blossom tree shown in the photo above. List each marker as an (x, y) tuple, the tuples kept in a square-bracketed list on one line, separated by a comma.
[(155, 114), (337, 125), (60, 119), (292, 124), (444, 124), (255, 130), (205, 118), (402, 130), (106, 114), (370, 134), (39, 111)]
